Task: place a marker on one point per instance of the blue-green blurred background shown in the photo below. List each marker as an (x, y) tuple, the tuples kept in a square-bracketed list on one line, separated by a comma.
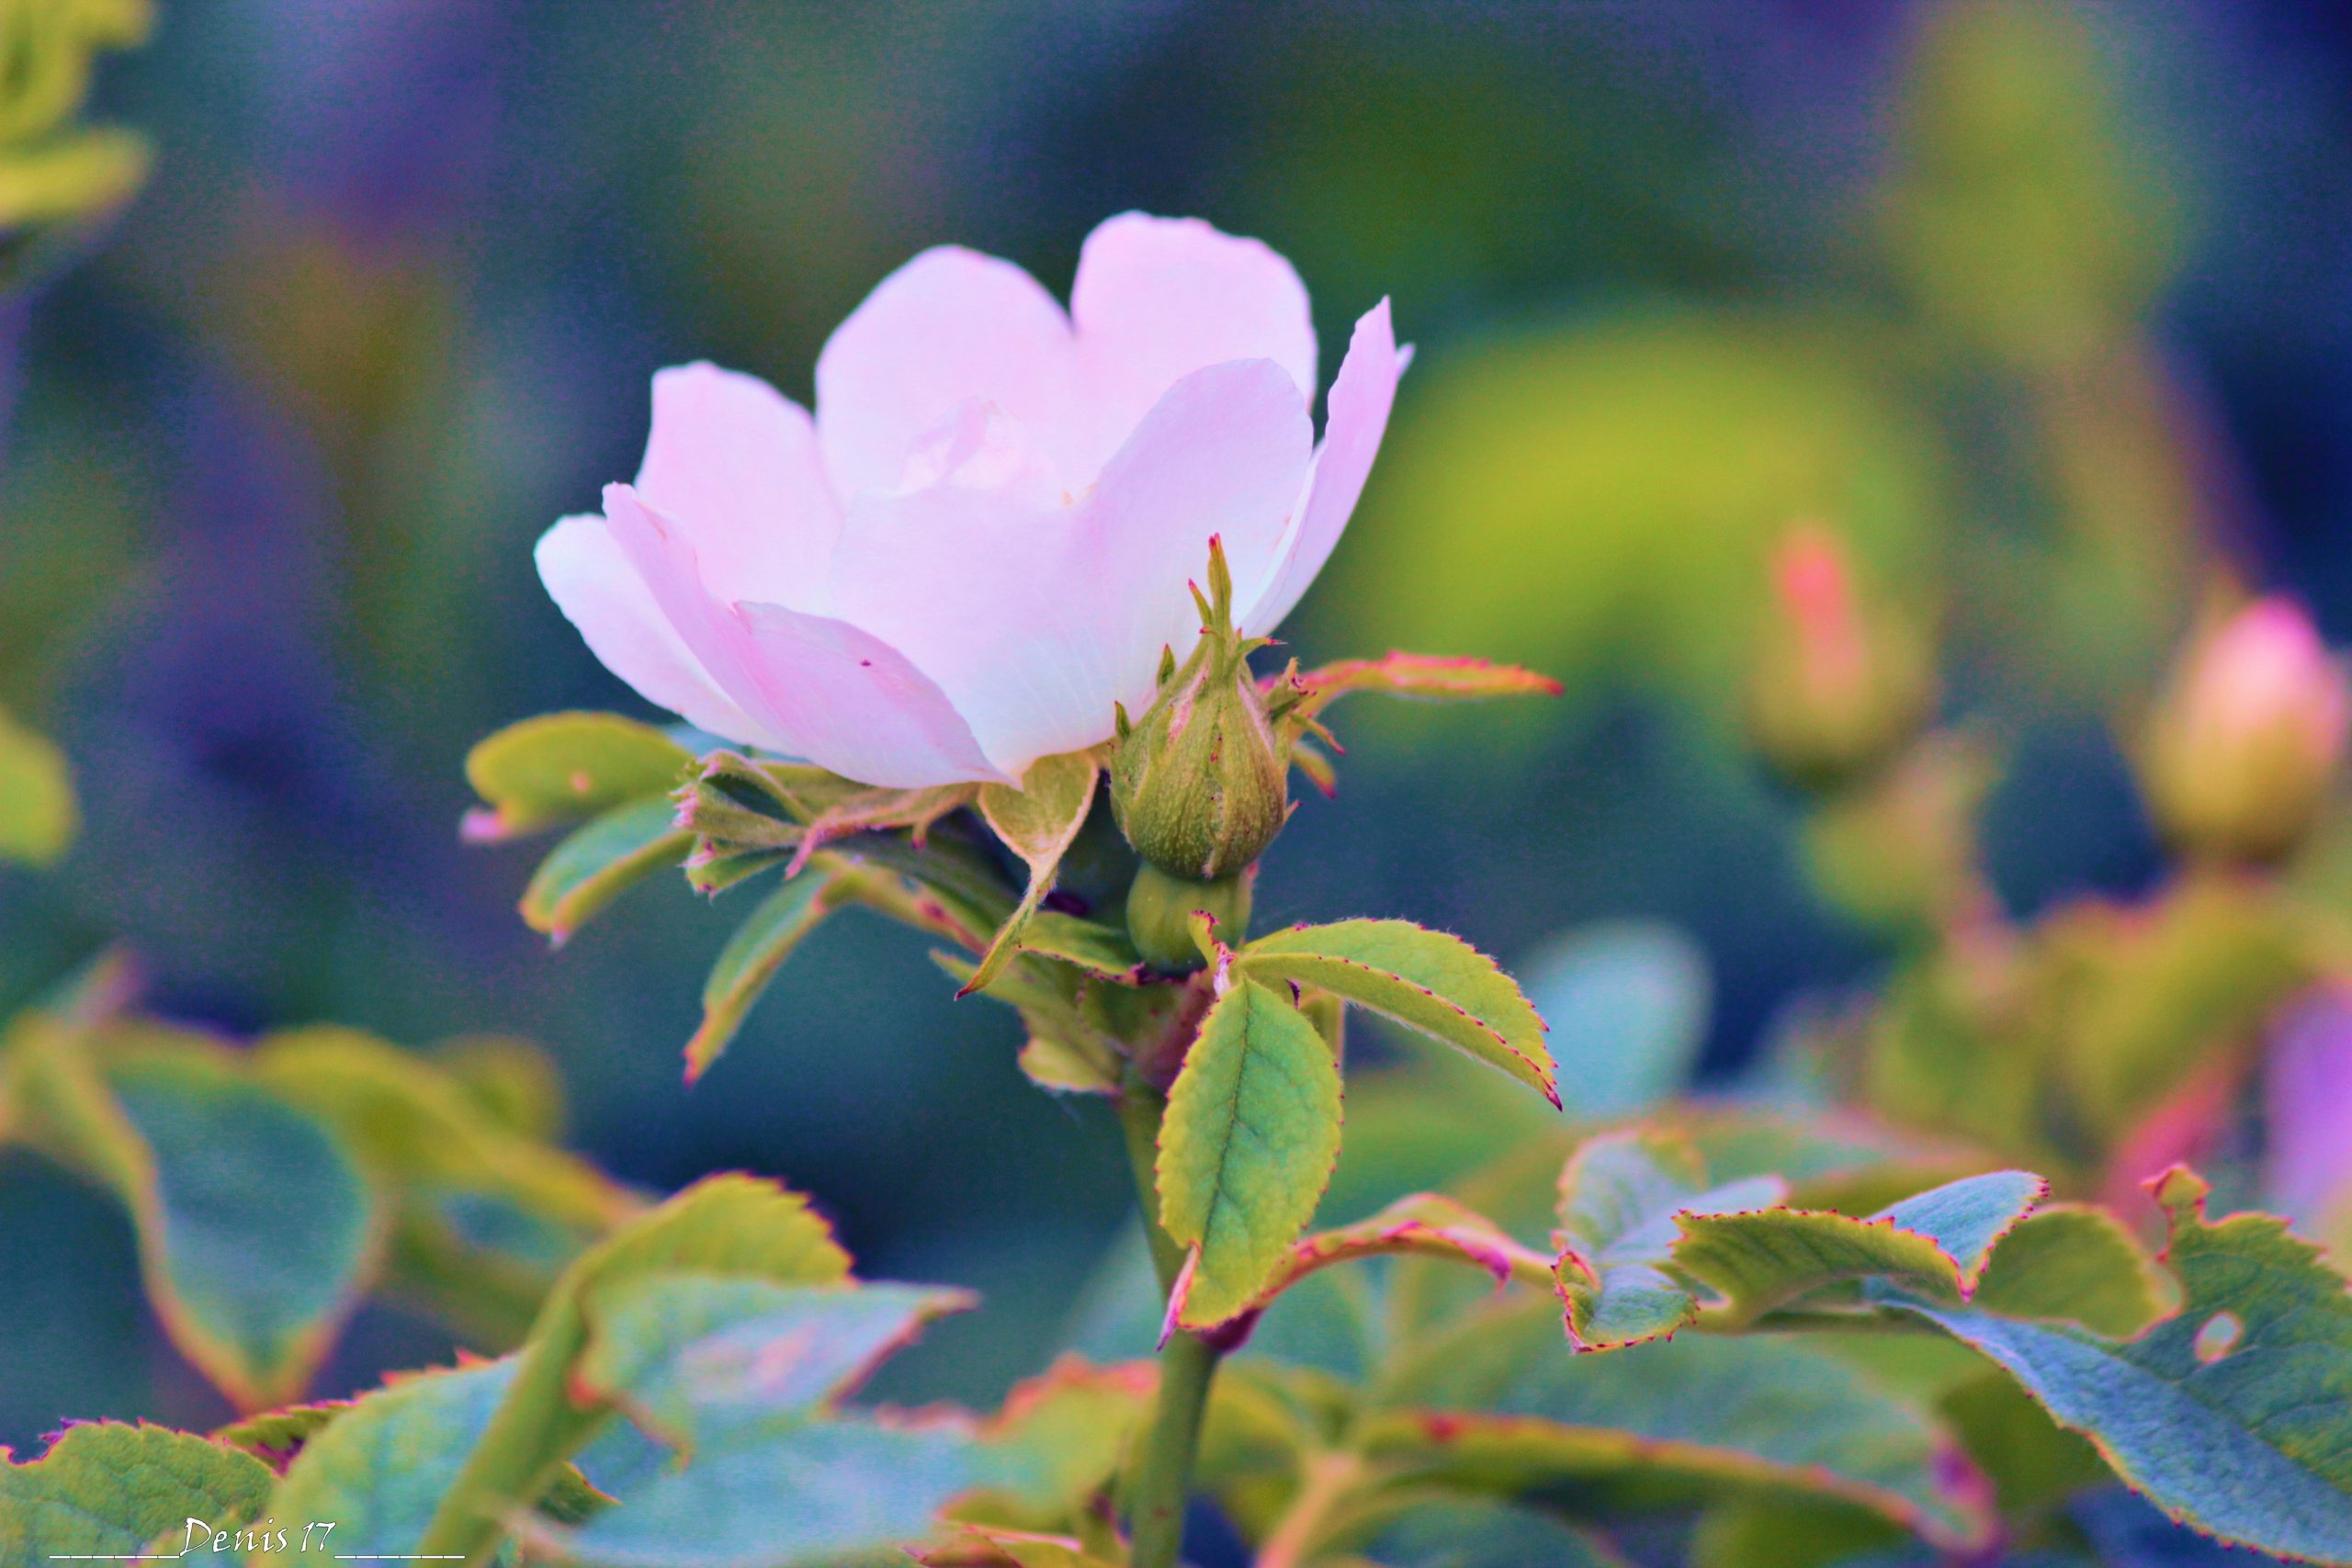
[(2045, 308)]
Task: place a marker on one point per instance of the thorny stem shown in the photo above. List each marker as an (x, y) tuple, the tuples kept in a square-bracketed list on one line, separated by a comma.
[(1160, 1477)]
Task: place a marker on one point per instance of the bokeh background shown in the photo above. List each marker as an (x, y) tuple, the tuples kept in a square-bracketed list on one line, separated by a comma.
[(2040, 305)]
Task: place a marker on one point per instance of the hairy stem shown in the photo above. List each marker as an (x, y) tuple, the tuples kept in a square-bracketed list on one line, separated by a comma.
[(1160, 1477)]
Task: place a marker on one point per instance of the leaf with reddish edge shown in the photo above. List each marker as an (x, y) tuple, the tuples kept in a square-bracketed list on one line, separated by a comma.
[(597, 863), (1489, 1403), (1423, 1224), (1251, 1133), (751, 958), (1938, 1242), (1623, 1195), (2076, 1264), (559, 767), (1409, 675), (1039, 821), (2234, 1414), (1057, 1442), (1427, 980)]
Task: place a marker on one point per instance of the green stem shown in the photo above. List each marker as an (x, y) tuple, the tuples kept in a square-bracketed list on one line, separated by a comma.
[(1161, 1476)]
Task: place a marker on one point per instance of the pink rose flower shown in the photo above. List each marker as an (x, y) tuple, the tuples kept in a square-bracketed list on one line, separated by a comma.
[(981, 540)]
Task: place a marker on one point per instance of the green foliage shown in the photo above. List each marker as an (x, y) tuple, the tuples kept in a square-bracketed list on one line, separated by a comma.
[(2233, 1414), (1251, 1133), (58, 177), (249, 1287), (37, 814), (597, 864), (561, 767), (1493, 1403), (751, 959), (1938, 1243), (1463, 1534), (1039, 822), (1621, 1198), (1427, 980), (1628, 1004), (106, 1489)]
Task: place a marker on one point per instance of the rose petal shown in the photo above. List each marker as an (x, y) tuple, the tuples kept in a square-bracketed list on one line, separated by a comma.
[(828, 691), (949, 326), (1361, 399), (599, 592), (1156, 298), (735, 462), (1036, 619)]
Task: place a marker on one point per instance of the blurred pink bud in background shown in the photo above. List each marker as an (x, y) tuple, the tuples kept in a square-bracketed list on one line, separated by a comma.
[(2246, 743), (981, 539)]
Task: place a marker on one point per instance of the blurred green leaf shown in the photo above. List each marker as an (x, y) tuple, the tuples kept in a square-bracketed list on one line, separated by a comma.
[(1251, 1131), (105, 1489), (1628, 1003), (37, 814), (1424, 979), (1483, 1533), (2025, 214), (2072, 1263), (202, 1152), (559, 767), (1632, 472), (484, 1217)]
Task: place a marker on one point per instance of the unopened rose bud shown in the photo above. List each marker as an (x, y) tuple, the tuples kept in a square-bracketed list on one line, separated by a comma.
[(2246, 741), (1198, 783), (1161, 909), (1840, 684)]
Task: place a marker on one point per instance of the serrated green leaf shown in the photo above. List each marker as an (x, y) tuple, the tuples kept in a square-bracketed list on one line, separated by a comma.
[(696, 1356), (2075, 1264), (1494, 1404), (598, 863), (37, 814), (560, 767), (751, 958), (1936, 1242), (105, 1489), (2234, 1414), (724, 1225), (1427, 980), (1251, 1133), (1621, 1197), (1039, 821), (794, 1494), (381, 1468), (274, 1436)]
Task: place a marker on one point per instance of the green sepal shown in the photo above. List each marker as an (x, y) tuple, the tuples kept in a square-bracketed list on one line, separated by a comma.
[(598, 863), (561, 767), (1039, 822), (751, 958)]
